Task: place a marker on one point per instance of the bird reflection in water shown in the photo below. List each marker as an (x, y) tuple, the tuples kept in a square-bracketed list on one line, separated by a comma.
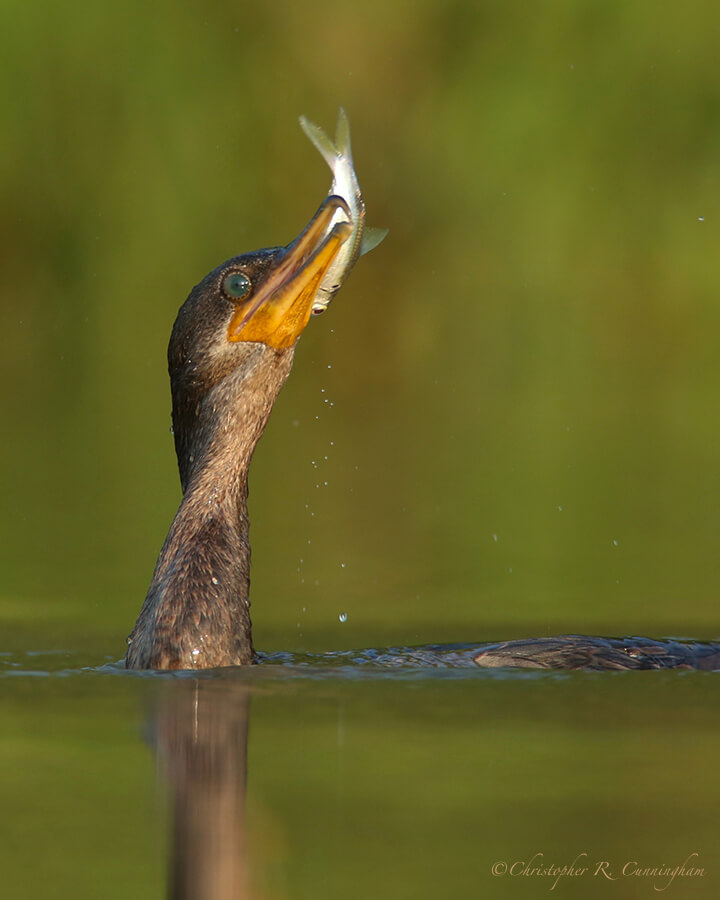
[(201, 732)]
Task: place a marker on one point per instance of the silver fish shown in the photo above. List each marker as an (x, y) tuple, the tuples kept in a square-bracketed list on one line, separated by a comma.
[(338, 156)]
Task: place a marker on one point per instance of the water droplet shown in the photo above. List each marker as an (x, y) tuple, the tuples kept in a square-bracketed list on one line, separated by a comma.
[(329, 367), (196, 652), (214, 580), (559, 508), (616, 543), (495, 538), (343, 617), (701, 218), (342, 565)]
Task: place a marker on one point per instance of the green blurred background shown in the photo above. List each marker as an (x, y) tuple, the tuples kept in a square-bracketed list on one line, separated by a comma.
[(521, 430)]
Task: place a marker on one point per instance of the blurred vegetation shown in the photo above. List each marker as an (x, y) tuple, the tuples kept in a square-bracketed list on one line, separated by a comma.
[(524, 376)]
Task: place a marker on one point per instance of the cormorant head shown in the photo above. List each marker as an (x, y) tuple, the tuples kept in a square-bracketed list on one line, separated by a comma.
[(234, 336)]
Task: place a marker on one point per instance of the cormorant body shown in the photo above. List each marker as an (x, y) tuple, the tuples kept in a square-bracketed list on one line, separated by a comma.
[(230, 352)]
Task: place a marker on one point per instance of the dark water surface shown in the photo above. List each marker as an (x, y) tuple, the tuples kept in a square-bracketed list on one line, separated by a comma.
[(505, 426)]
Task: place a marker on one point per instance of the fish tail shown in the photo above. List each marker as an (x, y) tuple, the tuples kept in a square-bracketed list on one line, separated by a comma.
[(342, 135), (322, 142)]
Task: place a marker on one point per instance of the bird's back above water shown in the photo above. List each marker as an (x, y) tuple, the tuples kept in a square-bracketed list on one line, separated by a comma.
[(598, 653)]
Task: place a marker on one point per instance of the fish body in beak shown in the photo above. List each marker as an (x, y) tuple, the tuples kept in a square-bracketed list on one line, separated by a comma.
[(338, 155)]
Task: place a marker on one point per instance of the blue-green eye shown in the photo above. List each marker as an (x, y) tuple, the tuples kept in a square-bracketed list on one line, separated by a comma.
[(236, 286)]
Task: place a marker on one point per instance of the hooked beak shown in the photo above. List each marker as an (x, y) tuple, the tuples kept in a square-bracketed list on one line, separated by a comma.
[(278, 312)]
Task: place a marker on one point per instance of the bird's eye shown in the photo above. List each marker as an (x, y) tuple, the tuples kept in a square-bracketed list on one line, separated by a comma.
[(236, 286)]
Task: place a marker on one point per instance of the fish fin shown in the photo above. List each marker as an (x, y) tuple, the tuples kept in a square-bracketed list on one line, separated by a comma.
[(322, 142), (342, 135), (371, 238)]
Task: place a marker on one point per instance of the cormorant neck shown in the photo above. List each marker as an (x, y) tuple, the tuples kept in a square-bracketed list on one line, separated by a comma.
[(197, 610)]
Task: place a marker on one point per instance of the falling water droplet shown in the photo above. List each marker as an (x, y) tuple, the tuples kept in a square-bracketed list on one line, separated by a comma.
[(343, 617)]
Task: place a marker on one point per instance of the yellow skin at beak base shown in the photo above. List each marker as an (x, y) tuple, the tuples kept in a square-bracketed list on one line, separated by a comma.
[(280, 311)]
